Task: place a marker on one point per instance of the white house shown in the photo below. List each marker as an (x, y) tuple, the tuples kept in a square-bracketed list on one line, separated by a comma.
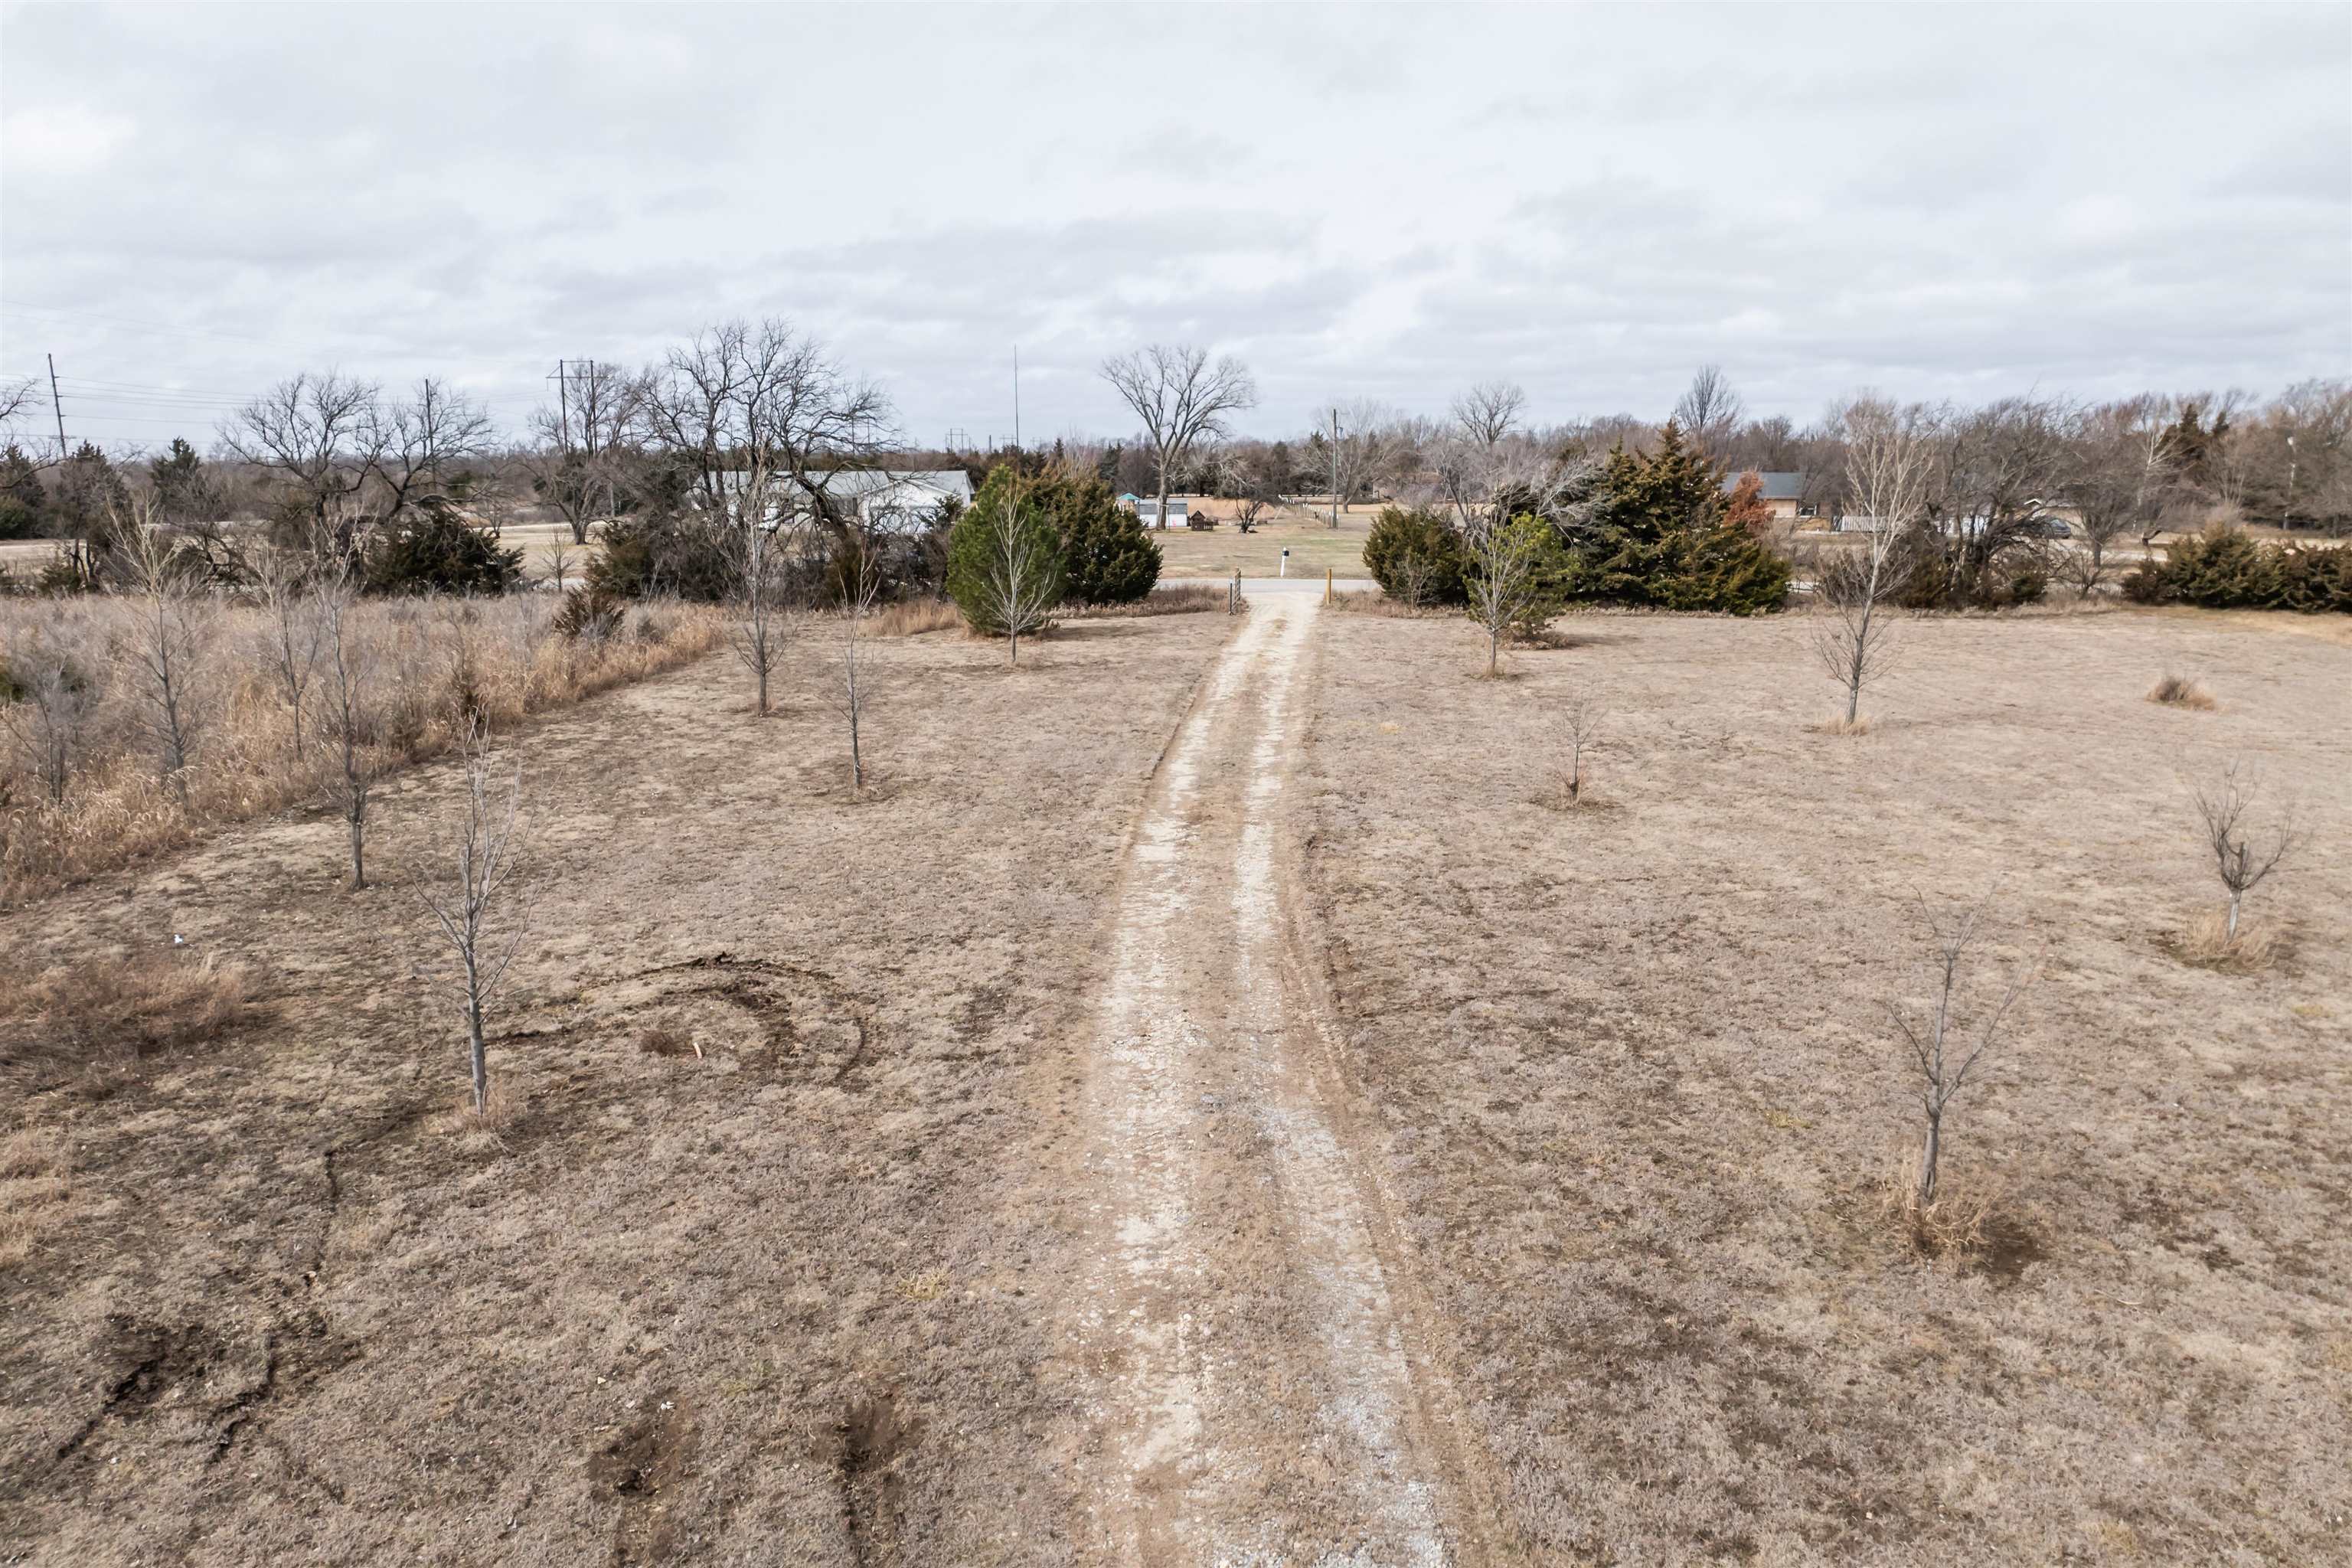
[(883, 500)]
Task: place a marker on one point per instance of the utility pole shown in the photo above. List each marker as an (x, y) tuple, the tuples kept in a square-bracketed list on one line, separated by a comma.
[(58, 407), (563, 405), (1334, 467)]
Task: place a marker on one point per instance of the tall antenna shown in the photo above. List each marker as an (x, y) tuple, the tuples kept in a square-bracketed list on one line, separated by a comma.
[(1017, 394)]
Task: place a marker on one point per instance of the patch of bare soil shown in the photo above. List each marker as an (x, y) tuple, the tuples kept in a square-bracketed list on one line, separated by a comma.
[(776, 1288), (1629, 1078)]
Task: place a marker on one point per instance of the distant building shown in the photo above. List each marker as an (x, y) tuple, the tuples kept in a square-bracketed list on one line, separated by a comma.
[(1180, 512), (883, 500), (1784, 491)]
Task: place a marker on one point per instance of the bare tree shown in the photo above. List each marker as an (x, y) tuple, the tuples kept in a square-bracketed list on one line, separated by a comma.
[(1943, 1046), (1507, 578), (50, 713), (1488, 411), (419, 435), (765, 418), (853, 689), (1710, 410), (756, 561), (1888, 470), (579, 447), (321, 434), (1181, 398), (2242, 855), (480, 851), (1019, 578), (171, 642), (1581, 722), (296, 631), (348, 697), (559, 564)]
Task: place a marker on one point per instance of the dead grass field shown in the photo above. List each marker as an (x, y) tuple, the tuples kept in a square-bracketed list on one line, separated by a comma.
[(755, 1267), (1314, 545), (1627, 1072)]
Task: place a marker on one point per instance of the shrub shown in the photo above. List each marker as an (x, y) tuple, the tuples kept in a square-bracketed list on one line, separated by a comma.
[(2178, 691), (2223, 569), (1658, 536), (434, 550), (591, 612), (1416, 557), (2316, 581)]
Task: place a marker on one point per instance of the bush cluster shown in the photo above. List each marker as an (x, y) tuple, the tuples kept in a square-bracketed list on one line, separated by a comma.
[(1416, 556), (2226, 570)]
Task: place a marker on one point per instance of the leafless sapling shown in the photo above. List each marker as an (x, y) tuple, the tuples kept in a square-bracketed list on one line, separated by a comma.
[(349, 699), (861, 586), (1579, 724), (1507, 580), (1943, 1047), (757, 634), (2243, 856), (171, 616), (468, 896), (1021, 575), (49, 715), (295, 629), (1887, 475)]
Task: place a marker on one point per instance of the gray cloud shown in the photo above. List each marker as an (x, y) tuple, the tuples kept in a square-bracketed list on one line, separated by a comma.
[(1943, 200)]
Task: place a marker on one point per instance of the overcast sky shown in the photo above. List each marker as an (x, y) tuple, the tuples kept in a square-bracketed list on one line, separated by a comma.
[(1389, 203)]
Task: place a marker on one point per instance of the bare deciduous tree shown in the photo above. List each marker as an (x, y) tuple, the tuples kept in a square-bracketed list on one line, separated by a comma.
[(348, 697), (1709, 411), (1888, 472), (171, 616), (419, 435), (1181, 397), (1021, 581), (1488, 411), (578, 448), (853, 689), (321, 433), (1506, 577), (756, 559), (480, 851), (1581, 722), (1943, 1047), (49, 714), (296, 630), (2242, 855)]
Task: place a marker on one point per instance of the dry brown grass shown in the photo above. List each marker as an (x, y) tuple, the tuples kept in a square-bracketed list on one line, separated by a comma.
[(888, 1018), (1180, 599), (1633, 1089), (1841, 725), (667, 1037), (2179, 691), (1960, 1222), (500, 657), (94, 1014), (915, 617), (1380, 603), (34, 1190), (2206, 942)]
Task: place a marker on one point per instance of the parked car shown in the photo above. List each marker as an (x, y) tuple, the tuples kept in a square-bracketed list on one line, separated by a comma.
[(2052, 527)]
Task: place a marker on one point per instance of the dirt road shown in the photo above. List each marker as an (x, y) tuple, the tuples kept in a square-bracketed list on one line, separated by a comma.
[(1249, 1385)]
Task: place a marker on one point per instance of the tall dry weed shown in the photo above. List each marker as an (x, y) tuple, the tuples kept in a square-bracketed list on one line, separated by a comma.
[(436, 660)]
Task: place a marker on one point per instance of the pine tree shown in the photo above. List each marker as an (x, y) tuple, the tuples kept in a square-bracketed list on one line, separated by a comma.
[(24, 502), (1107, 557)]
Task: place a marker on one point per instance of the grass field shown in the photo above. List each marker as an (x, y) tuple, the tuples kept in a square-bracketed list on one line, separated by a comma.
[(1634, 1084), (785, 1243)]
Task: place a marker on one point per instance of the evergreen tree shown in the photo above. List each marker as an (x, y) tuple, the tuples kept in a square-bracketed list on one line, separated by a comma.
[(24, 502), (432, 550), (1415, 556), (1106, 556), (1659, 536), (184, 490)]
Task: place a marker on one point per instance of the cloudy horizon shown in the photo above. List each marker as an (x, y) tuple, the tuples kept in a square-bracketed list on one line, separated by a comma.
[(197, 202)]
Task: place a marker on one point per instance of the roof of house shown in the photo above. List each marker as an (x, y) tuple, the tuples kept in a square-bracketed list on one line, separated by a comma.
[(1783, 484)]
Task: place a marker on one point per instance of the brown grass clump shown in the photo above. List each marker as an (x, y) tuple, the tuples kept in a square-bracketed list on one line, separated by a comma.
[(2207, 943), (2179, 691), (1843, 726), (1959, 1222), (913, 618), (33, 1190), (104, 1013), (665, 1038), (1361, 603), (1186, 599)]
